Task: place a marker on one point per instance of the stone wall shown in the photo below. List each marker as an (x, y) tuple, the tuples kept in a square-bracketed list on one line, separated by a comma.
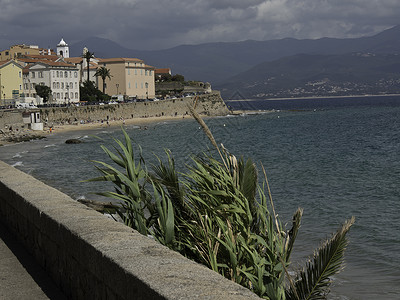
[(90, 256), (10, 118), (208, 104)]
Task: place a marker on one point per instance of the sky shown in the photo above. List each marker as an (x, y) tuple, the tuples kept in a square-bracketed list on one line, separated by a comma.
[(161, 24)]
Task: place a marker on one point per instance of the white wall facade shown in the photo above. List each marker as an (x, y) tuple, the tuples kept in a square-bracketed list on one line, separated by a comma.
[(63, 80)]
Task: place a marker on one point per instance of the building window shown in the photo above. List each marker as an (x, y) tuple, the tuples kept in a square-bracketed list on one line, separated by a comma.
[(145, 72), (72, 95), (33, 74), (58, 85), (58, 95), (76, 74), (20, 87), (129, 84), (62, 85), (61, 74), (54, 85), (58, 74), (66, 74), (19, 74), (40, 75), (76, 95)]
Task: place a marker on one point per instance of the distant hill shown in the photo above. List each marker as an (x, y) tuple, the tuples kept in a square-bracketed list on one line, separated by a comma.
[(317, 75), (216, 62)]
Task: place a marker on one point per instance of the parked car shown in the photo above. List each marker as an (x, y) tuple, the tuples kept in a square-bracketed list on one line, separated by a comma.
[(26, 106), (117, 98)]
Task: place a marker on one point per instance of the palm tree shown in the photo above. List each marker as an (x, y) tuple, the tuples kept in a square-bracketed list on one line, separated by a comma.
[(104, 73), (87, 56)]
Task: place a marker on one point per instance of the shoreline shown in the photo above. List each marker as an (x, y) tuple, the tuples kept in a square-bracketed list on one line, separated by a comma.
[(311, 98), (29, 134)]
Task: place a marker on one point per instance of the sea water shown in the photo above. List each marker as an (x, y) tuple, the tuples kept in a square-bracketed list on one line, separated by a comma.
[(335, 158)]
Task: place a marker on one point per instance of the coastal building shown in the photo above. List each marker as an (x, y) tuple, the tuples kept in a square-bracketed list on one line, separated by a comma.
[(11, 81), (130, 77), (61, 77), (17, 51)]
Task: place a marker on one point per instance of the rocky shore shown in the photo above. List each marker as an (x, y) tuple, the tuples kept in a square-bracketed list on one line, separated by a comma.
[(19, 135)]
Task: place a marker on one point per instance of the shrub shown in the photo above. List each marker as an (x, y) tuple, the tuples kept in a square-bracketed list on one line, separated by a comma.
[(218, 215)]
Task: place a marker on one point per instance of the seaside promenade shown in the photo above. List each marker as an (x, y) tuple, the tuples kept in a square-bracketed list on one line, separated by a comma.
[(20, 276)]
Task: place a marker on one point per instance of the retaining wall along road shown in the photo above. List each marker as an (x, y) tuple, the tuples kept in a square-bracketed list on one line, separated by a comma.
[(90, 256), (207, 104)]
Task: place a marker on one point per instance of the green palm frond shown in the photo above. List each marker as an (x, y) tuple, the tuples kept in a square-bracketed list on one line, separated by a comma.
[(292, 234), (314, 280)]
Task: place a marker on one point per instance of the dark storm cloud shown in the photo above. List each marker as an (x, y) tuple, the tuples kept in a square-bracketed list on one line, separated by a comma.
[(147, 24)]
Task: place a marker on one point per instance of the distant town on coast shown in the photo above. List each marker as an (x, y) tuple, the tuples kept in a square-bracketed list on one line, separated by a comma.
[(31, 76), (285, 68)]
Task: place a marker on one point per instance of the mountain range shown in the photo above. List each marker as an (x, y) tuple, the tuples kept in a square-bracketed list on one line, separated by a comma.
[(225, 64)]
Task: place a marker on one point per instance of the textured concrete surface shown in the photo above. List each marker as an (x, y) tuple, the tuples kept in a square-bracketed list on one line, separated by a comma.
[(90, 256), (20, 276)]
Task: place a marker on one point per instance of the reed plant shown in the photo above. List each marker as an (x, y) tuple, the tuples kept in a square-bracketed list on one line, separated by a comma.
[(216, 213)]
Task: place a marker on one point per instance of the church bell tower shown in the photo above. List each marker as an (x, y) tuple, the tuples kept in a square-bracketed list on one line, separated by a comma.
[(63, 49)]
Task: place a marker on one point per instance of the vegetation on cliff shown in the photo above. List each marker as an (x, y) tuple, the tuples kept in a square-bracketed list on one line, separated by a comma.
[(218, 214)]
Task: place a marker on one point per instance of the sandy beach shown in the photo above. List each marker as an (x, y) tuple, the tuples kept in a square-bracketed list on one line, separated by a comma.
[(16, 136), (111, 123), (21, 135)]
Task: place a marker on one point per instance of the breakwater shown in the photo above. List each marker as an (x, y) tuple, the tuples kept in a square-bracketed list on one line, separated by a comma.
[(90, 256)]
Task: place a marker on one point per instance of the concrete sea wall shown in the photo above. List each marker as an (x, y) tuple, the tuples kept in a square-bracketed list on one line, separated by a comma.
[(10, 118), (90, 256), (207, 104)]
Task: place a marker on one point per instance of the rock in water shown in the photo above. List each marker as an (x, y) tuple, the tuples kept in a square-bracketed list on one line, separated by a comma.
[(73, 141)]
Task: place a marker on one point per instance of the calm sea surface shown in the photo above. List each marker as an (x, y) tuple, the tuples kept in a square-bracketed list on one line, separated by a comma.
[(333, 157)]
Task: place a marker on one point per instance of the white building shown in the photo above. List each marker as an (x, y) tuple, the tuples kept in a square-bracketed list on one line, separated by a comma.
[(63, 49), (61, 77)]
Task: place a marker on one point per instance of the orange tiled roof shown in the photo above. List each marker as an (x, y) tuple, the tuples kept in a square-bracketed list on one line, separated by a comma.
[(119, 59), (74, 60), (41, 57), (163, 71), (52, 63), (4, 62)]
